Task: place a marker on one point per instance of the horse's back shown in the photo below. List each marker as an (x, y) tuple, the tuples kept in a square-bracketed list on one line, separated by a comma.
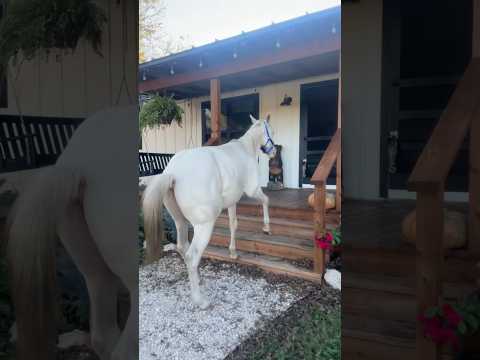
[(208, 176)]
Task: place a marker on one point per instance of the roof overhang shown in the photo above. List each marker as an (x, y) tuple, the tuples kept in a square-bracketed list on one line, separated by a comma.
[(309, 46)]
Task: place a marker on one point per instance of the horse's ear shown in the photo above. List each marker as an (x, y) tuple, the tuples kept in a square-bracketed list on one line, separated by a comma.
[(268, 118), (253, 119)]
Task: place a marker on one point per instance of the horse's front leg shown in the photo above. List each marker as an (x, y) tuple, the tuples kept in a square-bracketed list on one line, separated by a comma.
[(266, 218), (232, 216)]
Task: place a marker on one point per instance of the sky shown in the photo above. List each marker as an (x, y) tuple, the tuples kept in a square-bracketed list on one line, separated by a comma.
[(202, 21)]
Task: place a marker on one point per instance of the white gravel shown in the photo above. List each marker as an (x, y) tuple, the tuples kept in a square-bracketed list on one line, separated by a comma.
[(171, 327)]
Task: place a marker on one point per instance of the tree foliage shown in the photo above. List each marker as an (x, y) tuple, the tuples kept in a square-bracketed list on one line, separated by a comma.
[(153, 39)]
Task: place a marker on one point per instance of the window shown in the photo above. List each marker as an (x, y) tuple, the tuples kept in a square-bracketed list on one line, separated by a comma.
[(236, 116)]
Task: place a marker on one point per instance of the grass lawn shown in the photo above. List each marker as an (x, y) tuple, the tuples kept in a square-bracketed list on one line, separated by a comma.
[(315, 336)]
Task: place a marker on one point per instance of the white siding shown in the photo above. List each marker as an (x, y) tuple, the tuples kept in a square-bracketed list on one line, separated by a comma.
[(285, 122), (79, 84)]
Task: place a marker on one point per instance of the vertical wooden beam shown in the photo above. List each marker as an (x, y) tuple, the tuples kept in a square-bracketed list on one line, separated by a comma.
[(474, 183), (429, 264), (319, 226), (338, 192), (476, 29), (215, 110)]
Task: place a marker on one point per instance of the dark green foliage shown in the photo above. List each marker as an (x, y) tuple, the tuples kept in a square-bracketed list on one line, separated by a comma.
[(33, 27), (159, 110), (316, 337)]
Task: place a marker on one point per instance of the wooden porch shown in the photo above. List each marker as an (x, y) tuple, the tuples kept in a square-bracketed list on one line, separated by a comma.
[(379, 295), (291, 238)]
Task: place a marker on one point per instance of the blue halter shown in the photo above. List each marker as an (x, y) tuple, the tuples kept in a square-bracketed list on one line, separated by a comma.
[(269, 145)]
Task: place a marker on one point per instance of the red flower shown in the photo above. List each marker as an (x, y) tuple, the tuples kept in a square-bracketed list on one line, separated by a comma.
[(324, 242), (439, 332), (452, 316)]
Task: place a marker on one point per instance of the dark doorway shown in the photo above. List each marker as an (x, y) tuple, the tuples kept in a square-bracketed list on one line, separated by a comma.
[(318, 123), (427, 46), (237, 111)]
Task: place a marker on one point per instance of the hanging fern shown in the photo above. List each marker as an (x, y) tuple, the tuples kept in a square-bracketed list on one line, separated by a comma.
[(32, 27), (159, 111)]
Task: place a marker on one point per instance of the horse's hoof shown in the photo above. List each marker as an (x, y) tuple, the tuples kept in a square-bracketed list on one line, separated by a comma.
[(233, 255), (202, 303), (267, 232)]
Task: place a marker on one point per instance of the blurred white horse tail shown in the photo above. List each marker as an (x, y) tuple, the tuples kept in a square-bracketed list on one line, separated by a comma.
[(31, 254), (77, 202), (152, 207)]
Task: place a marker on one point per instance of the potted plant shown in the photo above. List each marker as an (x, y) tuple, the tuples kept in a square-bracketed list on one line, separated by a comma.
[(330, 243), (30, 28), (456, 325), (160, 111)]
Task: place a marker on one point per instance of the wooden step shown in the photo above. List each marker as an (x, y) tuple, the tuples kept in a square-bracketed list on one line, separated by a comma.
[(333, 217), (273, 245), (279, 267), (402, 262), (286, 227)]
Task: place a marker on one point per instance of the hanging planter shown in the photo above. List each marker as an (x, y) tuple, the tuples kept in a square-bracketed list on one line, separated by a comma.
[(160, 111), (34, 27)]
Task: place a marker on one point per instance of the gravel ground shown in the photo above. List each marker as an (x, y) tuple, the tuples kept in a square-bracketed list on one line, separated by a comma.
[(243, 299)]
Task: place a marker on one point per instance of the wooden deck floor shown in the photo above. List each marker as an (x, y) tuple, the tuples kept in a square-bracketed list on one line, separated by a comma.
[(286, 198)]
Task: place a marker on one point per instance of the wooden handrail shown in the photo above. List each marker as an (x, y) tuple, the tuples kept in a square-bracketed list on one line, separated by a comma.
[(437, 158), (325, 165), (428, 180), (319, 179)]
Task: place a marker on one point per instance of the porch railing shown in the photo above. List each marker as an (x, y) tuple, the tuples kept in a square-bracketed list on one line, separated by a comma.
[(331, 156), (152, 163), (428, 180)]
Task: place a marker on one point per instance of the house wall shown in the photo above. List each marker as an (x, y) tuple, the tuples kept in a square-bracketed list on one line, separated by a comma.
[(79, 84), (285, 121), (361, 97)]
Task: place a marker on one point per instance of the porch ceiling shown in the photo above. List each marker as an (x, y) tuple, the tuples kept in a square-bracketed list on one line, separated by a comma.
[(312, 66), (301, 47)]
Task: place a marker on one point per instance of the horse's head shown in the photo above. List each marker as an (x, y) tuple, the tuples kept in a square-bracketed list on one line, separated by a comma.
[(263, 133)]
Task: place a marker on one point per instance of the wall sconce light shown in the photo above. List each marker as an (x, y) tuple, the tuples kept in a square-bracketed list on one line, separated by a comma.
[(334, 29), (235, 55), (144, 76), (172, 71), (277, 44), (200, 64), (287, 101)]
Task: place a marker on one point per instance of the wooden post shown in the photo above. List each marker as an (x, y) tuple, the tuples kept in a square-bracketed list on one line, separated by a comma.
[(474, 183), (476, 29), (338, 192), (319, 227), (429, 263), (215, 110)]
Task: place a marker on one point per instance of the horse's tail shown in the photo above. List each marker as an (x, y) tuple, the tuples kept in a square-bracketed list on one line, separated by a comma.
[(152, 207), (31, 257)]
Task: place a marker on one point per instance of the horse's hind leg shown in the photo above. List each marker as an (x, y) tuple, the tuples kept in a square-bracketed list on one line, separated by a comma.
[(232, 217), (181, 223), (102, 284), (201, 237), (264, 200)]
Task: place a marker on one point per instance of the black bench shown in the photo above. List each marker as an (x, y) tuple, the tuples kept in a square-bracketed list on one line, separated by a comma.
[(38, 142), (152, 163)]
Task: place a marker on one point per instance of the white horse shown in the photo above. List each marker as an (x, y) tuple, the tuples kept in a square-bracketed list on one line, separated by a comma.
[(198, 184), (89, 200)]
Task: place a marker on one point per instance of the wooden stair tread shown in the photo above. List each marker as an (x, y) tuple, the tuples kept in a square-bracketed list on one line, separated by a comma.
[(306, 224), (270, 239), (280, 267)]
